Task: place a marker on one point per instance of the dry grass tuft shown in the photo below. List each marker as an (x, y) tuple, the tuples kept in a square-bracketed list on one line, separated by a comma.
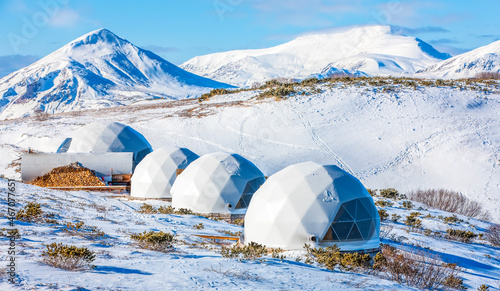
[(156, 241)]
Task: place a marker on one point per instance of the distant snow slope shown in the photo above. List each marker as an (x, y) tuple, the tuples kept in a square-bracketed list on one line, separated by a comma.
[(96, 70), (374, 50), (466, 65), (427, 138)]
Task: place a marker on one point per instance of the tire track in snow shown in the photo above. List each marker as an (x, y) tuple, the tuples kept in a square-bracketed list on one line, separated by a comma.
[(404, 154), (271, 141), (419, 150), (319, 142)]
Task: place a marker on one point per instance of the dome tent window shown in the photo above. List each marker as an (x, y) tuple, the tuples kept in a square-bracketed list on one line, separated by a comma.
[(355, 220)]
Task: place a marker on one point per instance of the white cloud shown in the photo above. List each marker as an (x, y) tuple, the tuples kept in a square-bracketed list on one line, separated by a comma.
[(17, 6), (312, 13), (64, 18)]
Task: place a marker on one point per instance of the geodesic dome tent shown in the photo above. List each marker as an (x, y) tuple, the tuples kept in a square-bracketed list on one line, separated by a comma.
[(314, 204), (156, 173), (102, 137), (217, 183)]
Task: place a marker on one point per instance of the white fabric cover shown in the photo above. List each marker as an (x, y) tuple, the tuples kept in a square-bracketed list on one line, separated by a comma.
[(102, 137), (217, 183), (156, 173), (298, 205)]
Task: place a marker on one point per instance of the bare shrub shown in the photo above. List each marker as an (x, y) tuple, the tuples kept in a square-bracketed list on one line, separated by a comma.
[(386, 230), (488, 76), (395, 217), (243, 275), (67, 257), (41, 115), (493, 234), (86, 231), (417, 269), (450, 201)]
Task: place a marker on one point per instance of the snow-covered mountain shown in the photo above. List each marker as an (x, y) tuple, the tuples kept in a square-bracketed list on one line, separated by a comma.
[(374, 50), (96, 70), (466, 65)]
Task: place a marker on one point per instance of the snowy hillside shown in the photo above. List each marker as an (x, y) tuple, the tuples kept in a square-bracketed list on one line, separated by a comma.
[(96, 70), (466, 65), (407, 138), (374, 50)]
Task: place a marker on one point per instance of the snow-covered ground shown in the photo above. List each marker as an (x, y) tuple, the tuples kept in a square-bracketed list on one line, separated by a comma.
[(432, 137), (122, 265)]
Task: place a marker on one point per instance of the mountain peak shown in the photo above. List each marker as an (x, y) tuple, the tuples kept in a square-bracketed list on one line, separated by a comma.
[(98, 36), (354, 31), (96, 70)]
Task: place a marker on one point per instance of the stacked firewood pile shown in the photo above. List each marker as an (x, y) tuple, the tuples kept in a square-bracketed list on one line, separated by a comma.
[(72, 175)]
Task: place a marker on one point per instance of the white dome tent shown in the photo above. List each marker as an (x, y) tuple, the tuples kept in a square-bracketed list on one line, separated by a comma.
[(314, 204), (217, 183), (156, 173), (102, 137)]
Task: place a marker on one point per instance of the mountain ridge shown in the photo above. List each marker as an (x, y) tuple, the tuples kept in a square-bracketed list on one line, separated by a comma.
[(311, 54), (466, 65), (98, 69)]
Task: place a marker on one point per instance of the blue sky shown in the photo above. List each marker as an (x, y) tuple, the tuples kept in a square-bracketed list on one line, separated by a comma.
[(179, 30)]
